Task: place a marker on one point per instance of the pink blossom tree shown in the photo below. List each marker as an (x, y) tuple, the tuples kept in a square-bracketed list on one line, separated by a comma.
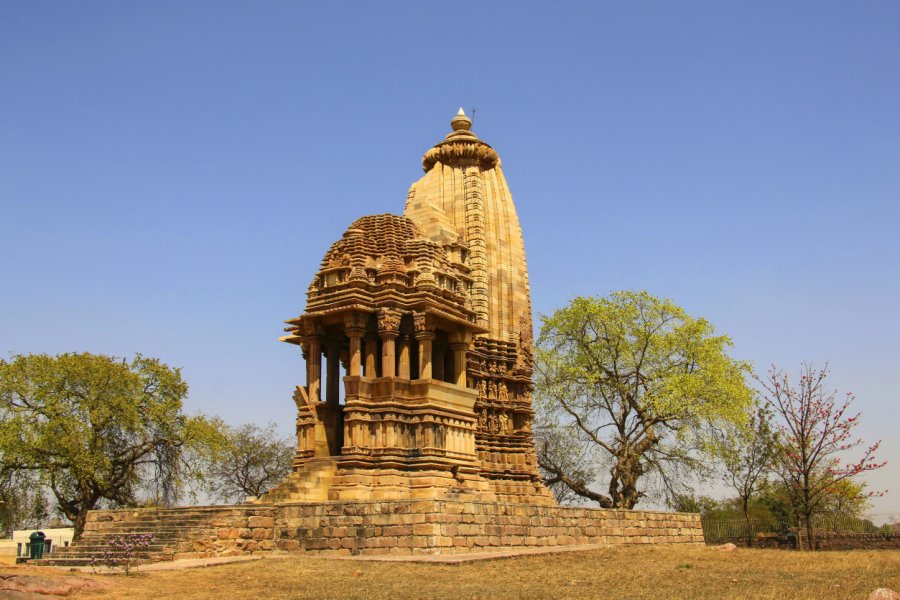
[(814, 436)]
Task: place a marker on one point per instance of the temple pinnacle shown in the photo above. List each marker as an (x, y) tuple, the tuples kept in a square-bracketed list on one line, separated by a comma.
[(461, 121)]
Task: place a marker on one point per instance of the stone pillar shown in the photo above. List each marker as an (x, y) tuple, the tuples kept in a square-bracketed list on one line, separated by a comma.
[(425, 337), (403, 370), (313, 367), (371, 353), (388, 331), (354, 325), (459, 362), (355, 362)]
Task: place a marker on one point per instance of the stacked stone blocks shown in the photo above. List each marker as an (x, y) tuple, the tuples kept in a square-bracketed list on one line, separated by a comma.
[(458, 527), (370, 528)]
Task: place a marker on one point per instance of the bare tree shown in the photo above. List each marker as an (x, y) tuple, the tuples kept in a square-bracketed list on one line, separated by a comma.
[(248, 462), (815, 432)]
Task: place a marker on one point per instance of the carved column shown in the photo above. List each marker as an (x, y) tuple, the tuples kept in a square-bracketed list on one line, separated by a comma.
[(424, 335), (388, 330), (403, 370), (371, 344), (313, 352), (459, 362), (333, 383), (354, 325)]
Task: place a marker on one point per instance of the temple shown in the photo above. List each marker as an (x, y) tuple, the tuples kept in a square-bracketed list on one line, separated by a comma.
[(414, 424), (423, 324)]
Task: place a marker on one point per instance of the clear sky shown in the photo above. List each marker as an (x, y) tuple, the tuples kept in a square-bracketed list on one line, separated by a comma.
[(172, 172)]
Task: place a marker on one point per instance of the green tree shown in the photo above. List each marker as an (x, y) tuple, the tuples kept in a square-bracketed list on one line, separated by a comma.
[(747, 451), (246, 461), (638, 381), (23, 503), (690, 503), (97, 430)]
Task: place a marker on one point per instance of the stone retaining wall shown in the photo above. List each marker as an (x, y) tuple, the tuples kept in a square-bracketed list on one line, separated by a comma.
[(381, 527), (451, 527), (857, 541), (825, 540)]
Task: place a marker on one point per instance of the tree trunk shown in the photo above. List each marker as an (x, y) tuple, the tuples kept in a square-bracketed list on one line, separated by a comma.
[(746, 507), (78, 523), (623, 483), (810, 532)]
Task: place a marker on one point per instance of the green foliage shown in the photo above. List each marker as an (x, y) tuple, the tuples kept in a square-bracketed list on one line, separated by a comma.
[(95, 429), (23, 503), (689, 503), (748, 452), (638, 380)]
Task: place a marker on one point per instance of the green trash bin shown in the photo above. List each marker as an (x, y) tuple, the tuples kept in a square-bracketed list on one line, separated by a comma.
[(36, 541)]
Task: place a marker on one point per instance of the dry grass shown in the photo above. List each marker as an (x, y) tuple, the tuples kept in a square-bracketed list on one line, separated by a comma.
[(636, 572)]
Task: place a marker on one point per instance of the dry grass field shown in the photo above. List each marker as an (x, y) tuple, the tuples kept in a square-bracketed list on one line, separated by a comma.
[(636, 572)]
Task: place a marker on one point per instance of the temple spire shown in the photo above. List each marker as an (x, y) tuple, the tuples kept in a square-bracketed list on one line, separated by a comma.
[(461, 121)]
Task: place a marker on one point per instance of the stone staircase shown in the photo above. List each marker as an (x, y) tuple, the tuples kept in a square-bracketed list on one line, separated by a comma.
[(186, 532), (310, 483)]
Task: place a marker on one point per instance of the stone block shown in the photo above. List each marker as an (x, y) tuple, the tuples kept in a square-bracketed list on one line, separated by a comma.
[(428, 529)]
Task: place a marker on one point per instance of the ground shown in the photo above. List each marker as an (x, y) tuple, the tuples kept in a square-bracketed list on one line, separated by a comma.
[(621, 572)]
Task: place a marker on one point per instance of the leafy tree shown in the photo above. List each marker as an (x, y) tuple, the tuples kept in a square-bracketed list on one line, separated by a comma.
[(846, 497), (689, 503), (747, 453), (98, 430), (23, 504), (816, 430), (247, 461), (637, 381)]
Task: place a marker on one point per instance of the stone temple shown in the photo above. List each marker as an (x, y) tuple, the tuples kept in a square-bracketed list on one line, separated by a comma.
[(415, 437), (424, 320)]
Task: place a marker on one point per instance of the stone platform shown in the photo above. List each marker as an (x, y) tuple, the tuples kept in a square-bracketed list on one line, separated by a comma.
[(376, 528), (458, 527)]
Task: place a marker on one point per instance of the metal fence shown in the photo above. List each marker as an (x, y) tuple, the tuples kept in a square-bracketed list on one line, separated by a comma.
[(784, 532)]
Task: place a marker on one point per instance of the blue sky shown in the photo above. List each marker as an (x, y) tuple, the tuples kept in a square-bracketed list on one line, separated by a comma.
[(171, 173)]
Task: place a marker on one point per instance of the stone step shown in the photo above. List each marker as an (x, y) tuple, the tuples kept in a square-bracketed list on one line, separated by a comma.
[(79, 562), (94, 548), (173, 530), (100, 555), (143, 529)]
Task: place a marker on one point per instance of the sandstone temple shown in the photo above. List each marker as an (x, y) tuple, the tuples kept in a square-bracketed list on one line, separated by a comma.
[(424, 320), (414, 424)]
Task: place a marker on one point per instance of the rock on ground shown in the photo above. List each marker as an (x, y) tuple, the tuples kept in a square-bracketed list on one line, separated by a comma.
[(729, 547), (18, 586), (884, 594)]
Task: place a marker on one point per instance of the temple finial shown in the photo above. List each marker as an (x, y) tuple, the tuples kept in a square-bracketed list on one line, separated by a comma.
[(461, 121)]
